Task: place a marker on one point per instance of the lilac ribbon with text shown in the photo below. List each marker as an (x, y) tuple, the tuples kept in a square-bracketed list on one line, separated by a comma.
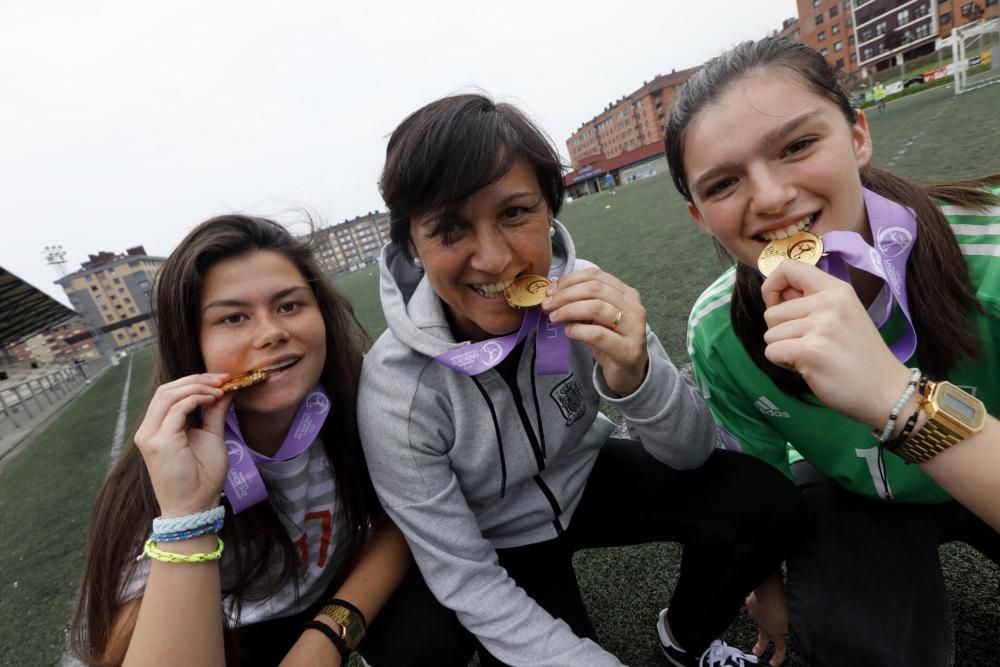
[(551, 345), (894, 230), (243, 485)]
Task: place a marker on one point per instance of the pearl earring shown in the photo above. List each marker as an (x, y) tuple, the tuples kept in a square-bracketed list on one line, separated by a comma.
[(552, 231)]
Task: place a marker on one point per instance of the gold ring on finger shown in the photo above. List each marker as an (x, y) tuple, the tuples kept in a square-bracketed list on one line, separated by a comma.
[(618, 318)]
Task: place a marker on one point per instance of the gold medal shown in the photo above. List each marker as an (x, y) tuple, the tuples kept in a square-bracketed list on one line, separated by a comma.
[(805, 247), (245, 380), (773, 254), (526, 291), (801, 246)]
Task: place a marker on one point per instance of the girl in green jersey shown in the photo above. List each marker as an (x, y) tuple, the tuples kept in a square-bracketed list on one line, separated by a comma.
[(820, 376)]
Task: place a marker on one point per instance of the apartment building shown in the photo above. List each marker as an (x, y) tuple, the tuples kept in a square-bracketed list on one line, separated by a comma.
[(869, 36), (789, 28), (629, 123), (68, 341), (828, 27), (890, 30), (351, 244), (112, 294), (956, 13)]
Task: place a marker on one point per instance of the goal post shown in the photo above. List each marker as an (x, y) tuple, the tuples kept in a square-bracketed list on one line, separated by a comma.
[(971, 45)]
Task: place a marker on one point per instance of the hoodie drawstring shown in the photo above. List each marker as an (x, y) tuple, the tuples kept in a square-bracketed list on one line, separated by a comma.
[(496, 427)]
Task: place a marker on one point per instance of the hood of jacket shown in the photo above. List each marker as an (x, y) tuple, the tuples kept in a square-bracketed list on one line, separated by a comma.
[(414, 312)]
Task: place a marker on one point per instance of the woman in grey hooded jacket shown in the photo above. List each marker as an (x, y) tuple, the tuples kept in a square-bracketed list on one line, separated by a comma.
[(487, 448)]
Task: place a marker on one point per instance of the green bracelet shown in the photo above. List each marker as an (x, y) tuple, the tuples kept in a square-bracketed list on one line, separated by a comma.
[(156, 553)]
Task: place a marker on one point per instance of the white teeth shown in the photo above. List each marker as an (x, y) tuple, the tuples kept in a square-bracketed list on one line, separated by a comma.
[(283, 364), (492, 289), (783, 233)]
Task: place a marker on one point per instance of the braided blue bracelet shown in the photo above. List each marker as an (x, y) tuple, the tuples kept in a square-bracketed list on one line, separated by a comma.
[(179, 524), (187, 534)]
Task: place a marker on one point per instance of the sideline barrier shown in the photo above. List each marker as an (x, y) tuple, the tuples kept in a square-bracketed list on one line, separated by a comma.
[(21, 401)]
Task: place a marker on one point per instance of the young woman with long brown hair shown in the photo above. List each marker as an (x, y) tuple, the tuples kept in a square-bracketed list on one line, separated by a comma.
[(313, 551), (837, 373)]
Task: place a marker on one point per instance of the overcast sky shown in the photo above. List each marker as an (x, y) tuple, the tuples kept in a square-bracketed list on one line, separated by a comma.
[(127, 123)]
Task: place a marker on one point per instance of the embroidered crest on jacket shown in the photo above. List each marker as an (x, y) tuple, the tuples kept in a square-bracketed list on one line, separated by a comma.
[(569, 398)]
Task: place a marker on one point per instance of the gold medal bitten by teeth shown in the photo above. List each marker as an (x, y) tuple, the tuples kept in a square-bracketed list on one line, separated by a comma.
[(801, 246), (526, 291), (244, 381)]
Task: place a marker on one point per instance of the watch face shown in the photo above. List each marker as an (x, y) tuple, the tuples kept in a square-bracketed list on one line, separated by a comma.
[(964, 409), (960, 408)]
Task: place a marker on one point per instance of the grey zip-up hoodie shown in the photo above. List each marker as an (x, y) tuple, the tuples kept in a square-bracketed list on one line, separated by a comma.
[(467, 465)]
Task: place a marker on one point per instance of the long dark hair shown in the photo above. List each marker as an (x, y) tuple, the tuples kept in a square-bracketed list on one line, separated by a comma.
[(447, 150), (941, 298), (255, 541)]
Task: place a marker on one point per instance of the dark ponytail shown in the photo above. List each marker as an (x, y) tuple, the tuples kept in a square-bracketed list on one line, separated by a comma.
[(942, 301)]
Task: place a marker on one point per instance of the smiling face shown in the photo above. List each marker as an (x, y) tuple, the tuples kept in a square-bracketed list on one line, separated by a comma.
[(258, 312), (771, 157), (499, 233)]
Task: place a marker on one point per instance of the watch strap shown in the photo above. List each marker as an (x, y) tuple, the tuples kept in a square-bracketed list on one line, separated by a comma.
[(930, 440), (349, 618), (350, 607), (332, 635)]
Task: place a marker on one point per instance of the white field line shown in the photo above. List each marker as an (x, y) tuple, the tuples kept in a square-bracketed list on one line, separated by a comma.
[(917, 137), (68, 660), (116, 445)]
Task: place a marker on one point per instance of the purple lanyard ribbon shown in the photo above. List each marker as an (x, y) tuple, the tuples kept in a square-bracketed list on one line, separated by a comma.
[(894, 230), (551, 345), (243, 485)]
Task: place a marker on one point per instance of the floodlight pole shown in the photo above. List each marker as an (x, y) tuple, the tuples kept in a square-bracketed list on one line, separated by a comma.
[(55, 256)]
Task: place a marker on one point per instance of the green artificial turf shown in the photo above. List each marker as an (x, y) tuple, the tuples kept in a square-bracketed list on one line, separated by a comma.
[(46, 495), (644, 236)]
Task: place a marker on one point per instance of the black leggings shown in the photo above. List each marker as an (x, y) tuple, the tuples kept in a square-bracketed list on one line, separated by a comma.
[(736, 516)]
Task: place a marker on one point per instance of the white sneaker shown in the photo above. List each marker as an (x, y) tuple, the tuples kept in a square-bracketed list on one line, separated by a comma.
[(718, 653), (721, 654)]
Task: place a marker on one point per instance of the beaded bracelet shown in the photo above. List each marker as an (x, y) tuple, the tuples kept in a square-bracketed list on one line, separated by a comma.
[(187, 534), (883, 437), (155, 553), (188, 522), (904, 435)]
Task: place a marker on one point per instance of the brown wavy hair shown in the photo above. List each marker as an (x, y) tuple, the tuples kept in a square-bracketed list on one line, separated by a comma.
[(942, 301), (255, 540)]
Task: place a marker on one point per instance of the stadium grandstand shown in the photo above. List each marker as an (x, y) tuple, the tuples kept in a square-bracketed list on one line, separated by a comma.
[(28, 389), (25, 310)]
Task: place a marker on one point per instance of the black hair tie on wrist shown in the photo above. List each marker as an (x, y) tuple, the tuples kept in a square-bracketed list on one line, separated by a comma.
[(332, 635)]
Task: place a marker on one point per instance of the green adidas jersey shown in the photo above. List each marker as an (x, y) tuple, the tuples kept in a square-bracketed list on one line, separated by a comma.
[(755, 416)]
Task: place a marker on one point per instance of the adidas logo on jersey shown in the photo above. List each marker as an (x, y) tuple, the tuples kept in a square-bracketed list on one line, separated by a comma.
[(767, 407)]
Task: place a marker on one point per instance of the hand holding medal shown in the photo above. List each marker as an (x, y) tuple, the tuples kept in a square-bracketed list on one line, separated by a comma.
[(828, 337), (606, 314), (186, 463)]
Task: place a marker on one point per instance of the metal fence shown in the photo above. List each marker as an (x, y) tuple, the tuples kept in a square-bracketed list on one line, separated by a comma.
[(21, 402)]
